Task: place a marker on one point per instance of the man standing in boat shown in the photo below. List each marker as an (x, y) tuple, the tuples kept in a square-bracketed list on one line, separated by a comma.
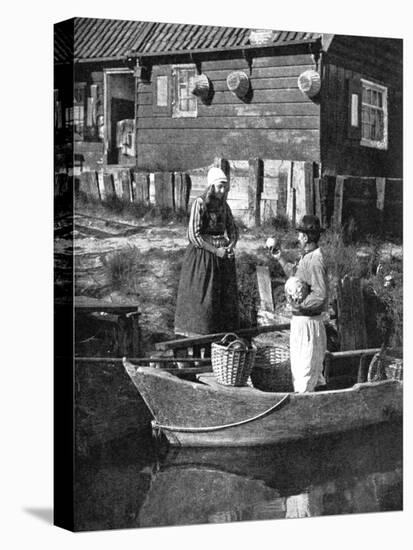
[(308, 336)]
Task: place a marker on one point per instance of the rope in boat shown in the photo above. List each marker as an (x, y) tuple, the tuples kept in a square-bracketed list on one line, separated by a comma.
[(157, 426)]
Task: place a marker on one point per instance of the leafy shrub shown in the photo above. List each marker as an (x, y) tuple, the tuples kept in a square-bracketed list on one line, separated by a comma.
[(389, 296)]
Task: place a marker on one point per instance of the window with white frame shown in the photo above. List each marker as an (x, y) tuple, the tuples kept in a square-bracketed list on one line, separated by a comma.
[(373, 115), (184, 103)]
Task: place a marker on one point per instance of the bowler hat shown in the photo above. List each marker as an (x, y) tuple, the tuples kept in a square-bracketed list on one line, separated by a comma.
[(309, 224)]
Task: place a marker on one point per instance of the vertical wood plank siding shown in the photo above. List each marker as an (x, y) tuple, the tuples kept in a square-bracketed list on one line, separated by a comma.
[(279, 122), (378, 60)]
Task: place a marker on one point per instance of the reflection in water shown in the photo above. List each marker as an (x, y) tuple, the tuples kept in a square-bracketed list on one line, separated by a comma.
[(142, 486)]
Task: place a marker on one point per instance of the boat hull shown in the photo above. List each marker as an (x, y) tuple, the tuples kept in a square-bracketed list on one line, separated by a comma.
[(193, 414)]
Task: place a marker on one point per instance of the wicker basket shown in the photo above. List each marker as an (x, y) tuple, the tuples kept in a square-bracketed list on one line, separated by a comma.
[(393, 367), (272, 371), (309, 82), (238, 83), (201, 86), (232, 361), (386, 365)]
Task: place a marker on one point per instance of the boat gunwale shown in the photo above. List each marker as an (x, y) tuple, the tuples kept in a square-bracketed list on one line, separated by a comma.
[(248, 390)]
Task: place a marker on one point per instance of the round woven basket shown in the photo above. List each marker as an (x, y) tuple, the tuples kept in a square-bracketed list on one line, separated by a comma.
[(387, 365), (272, 370), (238, 83), (261, 36), (232, 360), (309, 82), (201, 86)]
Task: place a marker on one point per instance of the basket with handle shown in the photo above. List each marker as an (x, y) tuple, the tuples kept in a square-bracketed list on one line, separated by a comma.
[(272, 371), (232, 360), (387, 364), (393, 364)]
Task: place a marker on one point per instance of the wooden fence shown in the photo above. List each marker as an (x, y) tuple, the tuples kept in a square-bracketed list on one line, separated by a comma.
[(260, 191), (162, 189), (365, 205)]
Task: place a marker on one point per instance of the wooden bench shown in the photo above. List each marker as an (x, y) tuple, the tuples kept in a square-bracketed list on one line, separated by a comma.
[(200, 346)]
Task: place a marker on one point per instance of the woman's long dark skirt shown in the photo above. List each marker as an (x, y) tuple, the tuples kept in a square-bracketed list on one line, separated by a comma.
[(207, 294)]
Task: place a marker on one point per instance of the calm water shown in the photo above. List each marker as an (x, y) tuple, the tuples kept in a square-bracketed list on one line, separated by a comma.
[(134, 483)]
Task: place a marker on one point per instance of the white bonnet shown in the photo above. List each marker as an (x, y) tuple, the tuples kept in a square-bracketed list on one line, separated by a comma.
[(216, 175)]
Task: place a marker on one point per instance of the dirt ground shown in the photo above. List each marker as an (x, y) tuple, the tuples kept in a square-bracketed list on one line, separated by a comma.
[(95, 238)]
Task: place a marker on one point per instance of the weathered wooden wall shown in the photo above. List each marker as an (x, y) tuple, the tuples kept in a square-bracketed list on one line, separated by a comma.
[(350, 58), (278, 122)]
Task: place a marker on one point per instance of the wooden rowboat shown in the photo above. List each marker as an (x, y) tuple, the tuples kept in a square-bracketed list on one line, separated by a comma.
[(207, 414)]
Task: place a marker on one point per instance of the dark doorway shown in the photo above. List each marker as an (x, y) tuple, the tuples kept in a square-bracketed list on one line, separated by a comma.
[(120, 118)]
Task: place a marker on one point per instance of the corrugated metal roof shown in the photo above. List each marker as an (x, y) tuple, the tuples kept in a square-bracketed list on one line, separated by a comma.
[(113, 39)]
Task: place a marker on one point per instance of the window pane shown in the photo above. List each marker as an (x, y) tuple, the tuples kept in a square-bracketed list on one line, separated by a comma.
[(354, 110), (373, 114), (379, 125), (186, 103), (162, 91), (191, 83)]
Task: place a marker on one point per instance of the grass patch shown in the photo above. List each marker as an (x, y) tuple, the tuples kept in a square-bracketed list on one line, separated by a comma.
[(122, 268)]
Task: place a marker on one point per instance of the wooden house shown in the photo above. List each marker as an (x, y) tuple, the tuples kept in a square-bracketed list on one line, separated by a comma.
[(301, 121)]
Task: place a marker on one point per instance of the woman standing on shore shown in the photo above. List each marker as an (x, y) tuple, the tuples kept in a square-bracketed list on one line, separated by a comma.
[(207, 294)]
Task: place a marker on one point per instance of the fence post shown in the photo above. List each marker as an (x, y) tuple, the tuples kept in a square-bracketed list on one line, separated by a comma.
[(264, 288), (164, 189), (182, 189), (323, 187), (140, 188), (126, 185), (255, 188), (317, 200), (338, 202), (89, 184), (290, 210), (381, 193), (109, 186), (351, 314), (225, 167), (308, 187)]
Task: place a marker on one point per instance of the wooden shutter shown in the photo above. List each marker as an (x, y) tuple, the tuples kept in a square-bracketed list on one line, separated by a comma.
[(354, 108)]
